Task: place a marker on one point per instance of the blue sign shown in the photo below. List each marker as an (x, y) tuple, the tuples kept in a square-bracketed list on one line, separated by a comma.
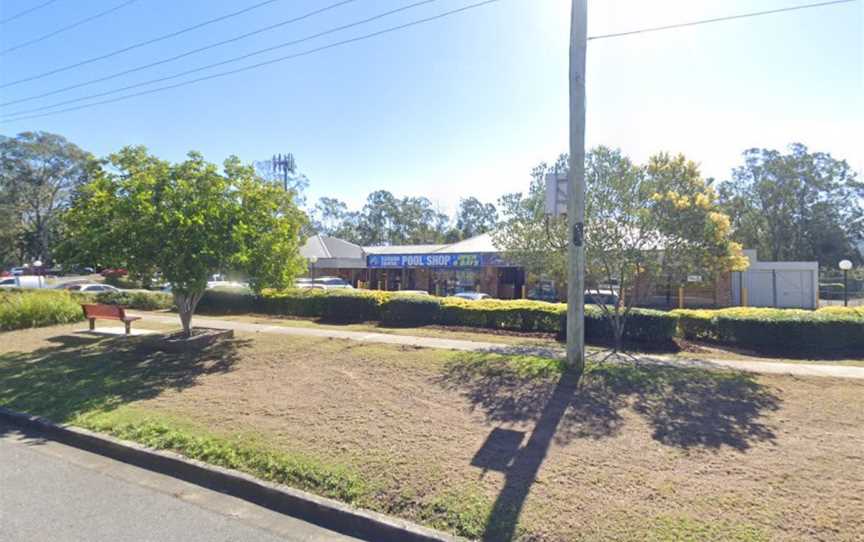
[(377, 261)]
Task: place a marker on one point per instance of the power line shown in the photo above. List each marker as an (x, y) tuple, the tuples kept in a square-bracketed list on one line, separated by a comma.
[(718, 19), (223, 62), (68, 27), (267, 62), (140, 44), (26, 11), (178, 56)]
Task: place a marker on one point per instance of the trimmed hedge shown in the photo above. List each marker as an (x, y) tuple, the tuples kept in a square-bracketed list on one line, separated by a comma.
[(410, 310), (643, 325), (776, 329), (767, 329), (394, 309), (140, 300), (37, 308)]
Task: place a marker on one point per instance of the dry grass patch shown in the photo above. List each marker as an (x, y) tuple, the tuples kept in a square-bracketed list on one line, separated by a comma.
[(484, 445)]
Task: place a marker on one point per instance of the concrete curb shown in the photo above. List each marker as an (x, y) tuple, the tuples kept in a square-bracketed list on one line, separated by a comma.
[(327, 513)]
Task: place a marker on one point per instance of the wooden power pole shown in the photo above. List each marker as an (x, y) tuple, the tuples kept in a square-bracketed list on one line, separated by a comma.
[(576, 189)]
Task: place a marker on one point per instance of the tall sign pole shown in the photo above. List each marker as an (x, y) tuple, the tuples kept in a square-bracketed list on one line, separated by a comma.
[(576, 189)]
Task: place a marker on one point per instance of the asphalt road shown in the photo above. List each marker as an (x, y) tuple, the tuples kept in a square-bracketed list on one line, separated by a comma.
[(52, 492)]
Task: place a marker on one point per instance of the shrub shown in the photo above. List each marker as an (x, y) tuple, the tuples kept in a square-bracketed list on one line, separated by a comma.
[(410, 310), (777, 329), (643, 326), (141, 300), (336, 305), (514, 315), (228, 302), (37, 308)]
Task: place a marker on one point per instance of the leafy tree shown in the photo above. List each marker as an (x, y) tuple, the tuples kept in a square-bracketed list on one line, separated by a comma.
[(642, 223), (187, 221), (796, 206), (328, 215), (475, 217), (39, 172)]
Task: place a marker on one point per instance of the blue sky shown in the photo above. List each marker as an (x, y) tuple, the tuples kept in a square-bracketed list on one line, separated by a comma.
[(461, 106)]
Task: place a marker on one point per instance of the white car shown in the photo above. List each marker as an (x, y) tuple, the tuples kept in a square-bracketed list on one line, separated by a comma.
[(92, 288), (23, 281), (331, 283), (472, 296)]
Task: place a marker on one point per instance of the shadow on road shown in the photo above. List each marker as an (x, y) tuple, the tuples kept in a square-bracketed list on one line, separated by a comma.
[(684, 407)]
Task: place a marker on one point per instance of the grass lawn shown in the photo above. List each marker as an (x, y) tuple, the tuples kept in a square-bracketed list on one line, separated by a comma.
[(482, 445)]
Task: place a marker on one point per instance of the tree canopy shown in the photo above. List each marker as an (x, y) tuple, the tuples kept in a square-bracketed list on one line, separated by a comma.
[(186, 221), (39, 172), (800, 205), (642, 223)]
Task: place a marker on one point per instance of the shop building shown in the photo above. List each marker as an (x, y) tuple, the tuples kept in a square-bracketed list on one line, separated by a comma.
[(472, 265)]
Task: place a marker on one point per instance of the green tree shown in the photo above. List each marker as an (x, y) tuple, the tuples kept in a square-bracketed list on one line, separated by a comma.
[(39, 173), (475, 217), (796, 206), (187, 221), (642, 224)]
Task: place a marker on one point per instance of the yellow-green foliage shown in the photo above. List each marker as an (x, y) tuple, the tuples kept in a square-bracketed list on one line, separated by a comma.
[(37, 308), (783, 329)]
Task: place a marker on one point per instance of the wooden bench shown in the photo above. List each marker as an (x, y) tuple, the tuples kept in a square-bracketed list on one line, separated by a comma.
[(108, 312)]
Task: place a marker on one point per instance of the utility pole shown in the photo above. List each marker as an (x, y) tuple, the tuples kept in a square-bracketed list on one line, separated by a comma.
[(576, 190)]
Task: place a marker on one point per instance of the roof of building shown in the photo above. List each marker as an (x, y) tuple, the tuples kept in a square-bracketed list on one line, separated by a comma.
[(477, 244), (404, 249), (323, 247)]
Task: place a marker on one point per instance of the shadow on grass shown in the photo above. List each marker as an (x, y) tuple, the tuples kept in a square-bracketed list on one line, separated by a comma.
[(82, 374), (685, 408)]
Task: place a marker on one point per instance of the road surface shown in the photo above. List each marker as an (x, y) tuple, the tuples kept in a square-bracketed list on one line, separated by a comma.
[(51, 492)]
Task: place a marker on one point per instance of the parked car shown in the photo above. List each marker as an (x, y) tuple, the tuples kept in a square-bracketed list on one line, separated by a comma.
[(332, 283), (472, 296), (601, 297), (23, 281), (91, 288), (114, 272), (17, 271)]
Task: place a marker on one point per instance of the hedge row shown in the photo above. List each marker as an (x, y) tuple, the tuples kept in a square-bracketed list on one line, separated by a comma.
[(403, 310), (833, 328), (138, 300), (37, 308)]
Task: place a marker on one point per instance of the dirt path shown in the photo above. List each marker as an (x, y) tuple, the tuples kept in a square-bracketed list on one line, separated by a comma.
[(765, 367)]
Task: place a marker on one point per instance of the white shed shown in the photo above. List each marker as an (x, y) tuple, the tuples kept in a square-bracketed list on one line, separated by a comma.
[(785, 285)]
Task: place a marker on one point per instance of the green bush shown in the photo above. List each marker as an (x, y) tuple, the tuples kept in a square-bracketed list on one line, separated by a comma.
[(642, 326), (19, 310), (228, 302), (776, 329), (335, 305), (140, 300), (410, 310), (513, 315)]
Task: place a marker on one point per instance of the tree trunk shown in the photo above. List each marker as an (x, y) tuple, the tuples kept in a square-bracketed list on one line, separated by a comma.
[(186, 303), (618, 334)]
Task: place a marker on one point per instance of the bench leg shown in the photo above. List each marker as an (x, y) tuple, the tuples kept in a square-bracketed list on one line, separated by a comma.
[(92, 324), (128, 327)]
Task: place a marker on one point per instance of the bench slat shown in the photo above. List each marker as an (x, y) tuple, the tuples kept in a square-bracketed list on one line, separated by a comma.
[(104, 312)]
